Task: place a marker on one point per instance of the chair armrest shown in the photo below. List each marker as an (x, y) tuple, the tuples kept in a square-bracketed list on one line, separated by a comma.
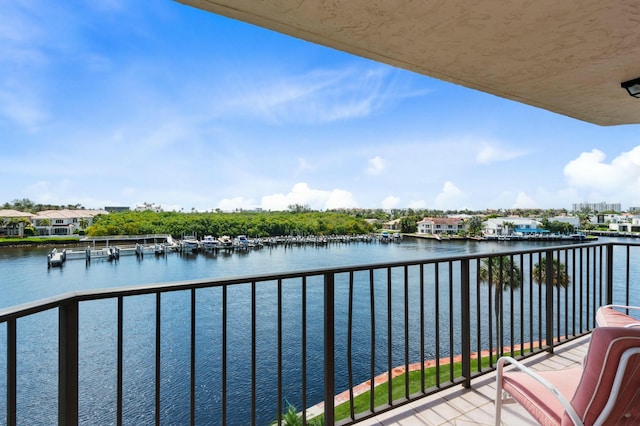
[(571, 412), (602, 312), (620, 307)]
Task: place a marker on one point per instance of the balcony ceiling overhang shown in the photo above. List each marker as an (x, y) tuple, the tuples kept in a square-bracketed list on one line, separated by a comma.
[(566, 56)]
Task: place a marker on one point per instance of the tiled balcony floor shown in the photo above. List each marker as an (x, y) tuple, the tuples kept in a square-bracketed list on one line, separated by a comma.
[(475, 406)]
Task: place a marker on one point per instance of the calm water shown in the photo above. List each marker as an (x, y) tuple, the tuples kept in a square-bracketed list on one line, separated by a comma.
[(24, 277)]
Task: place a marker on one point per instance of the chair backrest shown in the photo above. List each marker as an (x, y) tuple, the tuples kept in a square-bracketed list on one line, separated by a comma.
[(609, 389)]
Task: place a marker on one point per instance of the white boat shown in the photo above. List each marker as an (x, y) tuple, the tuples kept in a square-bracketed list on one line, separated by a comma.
[(225, 241), (209, 242), (56, 258), (189, 244)]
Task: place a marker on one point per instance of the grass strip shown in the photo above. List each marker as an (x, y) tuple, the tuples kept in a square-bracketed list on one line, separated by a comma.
[(362, 401)]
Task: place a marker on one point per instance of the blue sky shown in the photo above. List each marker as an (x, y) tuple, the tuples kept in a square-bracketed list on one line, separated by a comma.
[(120, 102)]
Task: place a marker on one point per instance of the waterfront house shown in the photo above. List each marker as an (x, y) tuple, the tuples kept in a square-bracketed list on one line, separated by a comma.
[(441, 225), (631, 224), (501, 226), (601, 219), (13, 222), (572, 220), (392, 225), (65, 221)]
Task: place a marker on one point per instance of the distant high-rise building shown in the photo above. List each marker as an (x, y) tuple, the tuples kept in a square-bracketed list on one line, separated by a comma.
[(597, 207)]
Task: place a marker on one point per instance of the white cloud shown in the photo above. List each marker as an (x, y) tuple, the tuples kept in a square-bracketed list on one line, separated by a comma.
[(450, 197), (316, 199), (593, 177), (390, 202), (231, 204), (417, 204), (321, 96), (376, 165), (491, 153), (523, 201), (590, 170)]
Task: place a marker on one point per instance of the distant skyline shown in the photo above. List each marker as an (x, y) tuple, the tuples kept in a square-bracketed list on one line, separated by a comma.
[(121, 102)]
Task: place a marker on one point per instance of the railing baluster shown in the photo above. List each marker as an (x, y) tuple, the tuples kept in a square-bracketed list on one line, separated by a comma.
[(628, 277), (11, 372), (192, 361), (406, 331), (451, 322), (566, 293), (303, 350), (437, 321), (68, 363), (594, 299), (422, 328), (556, 275), (531, 316), (372, 361), (279, 343), (511, 305), (389, 340), (580, 269), (573, 289), (588, 287), (521, 304), (329, 348), (254, 367), (490, 311), (478, 316), (350, 346), (549, 300), (223, 384), (465, 322), (540, 303), (120, 360), (500, 307), (158, 356)]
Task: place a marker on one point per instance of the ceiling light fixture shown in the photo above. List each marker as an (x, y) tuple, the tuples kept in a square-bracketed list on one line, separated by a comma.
[(633, 87)]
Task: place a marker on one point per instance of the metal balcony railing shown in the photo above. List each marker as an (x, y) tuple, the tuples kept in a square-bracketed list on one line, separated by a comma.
[(236, 351)]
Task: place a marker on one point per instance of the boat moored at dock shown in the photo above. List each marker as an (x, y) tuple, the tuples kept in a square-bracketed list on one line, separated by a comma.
[(209, 242), (56, 258)]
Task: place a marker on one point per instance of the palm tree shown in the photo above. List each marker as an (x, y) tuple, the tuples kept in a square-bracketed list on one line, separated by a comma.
[(45, 222), (83, 222), (559, 270), (14, 223), (502, 273), (4, 223), (508, 227)]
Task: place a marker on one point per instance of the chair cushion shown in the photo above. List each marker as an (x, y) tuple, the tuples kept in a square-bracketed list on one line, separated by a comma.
[(603, 358), (536, 398)]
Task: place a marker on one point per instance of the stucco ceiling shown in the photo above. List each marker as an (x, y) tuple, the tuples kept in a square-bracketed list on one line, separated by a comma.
[(566, 56)]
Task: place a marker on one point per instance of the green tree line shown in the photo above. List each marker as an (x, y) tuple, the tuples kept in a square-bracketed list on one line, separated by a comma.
[(254, 224)]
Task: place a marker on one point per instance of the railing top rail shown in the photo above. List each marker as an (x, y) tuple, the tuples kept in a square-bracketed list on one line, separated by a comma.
[(107, 293)]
